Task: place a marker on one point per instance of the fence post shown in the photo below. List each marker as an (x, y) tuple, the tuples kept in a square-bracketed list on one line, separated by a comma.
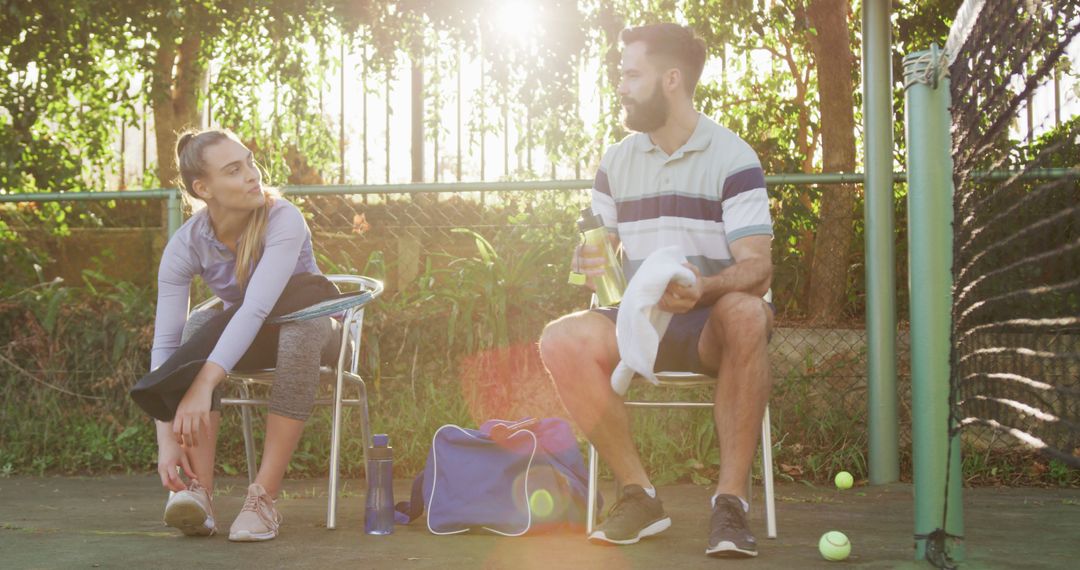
[(936, 464), (176, 212), (880, 255)]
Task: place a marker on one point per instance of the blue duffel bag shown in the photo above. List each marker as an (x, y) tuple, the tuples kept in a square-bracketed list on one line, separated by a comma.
[(509, 478)]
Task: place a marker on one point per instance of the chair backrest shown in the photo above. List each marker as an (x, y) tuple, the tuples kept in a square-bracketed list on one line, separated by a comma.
[(353, 318), (362, 283)]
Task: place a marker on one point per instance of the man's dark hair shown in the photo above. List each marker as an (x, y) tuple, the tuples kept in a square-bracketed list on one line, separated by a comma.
[(676, 45)]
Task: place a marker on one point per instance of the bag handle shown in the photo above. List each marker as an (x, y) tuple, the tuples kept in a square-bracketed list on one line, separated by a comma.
[(500, 431)]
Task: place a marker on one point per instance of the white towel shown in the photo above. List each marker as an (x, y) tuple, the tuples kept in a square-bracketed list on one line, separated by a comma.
[(641, 324)]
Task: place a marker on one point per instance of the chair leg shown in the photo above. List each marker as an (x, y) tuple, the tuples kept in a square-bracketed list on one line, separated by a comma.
[(767, 474), (335, 452), (249, 437), (365, 423), (750, 485), (594, 490), (365, 429)]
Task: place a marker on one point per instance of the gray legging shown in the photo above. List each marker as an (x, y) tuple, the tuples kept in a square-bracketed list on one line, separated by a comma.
[(302, 347)]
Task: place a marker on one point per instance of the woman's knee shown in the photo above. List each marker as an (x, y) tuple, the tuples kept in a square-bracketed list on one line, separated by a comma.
[(293, 413), (300, 346), (196, 321), (305, 337)]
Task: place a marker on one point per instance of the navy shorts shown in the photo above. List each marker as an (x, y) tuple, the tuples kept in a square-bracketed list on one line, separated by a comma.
[(678, 351)]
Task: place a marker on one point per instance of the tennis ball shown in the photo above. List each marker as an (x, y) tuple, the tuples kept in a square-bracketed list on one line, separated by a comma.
[(542, 503), (844, 480), (834, 546)]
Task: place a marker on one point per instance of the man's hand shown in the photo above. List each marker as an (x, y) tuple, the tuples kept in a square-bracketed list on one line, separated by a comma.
[(681, 298), (590, 261)]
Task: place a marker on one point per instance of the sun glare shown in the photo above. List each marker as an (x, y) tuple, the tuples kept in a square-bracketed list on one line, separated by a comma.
[(517, 19)]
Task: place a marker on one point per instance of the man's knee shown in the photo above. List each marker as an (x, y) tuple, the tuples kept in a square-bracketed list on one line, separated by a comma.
[(740, 317), (558, 339), (574, 337)]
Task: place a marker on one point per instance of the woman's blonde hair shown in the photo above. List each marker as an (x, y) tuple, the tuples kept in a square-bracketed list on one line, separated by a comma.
[(190, 148)]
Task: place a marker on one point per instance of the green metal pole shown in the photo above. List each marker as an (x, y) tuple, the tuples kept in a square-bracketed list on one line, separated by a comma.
[(176, 213), (880, 254), (930, 239)]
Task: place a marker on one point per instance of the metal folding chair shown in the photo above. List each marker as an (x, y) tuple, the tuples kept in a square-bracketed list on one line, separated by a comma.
[(690, 380), (351, 327)]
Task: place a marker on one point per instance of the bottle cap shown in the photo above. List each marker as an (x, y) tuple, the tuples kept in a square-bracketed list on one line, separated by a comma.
[(589, 220), (380, 449)]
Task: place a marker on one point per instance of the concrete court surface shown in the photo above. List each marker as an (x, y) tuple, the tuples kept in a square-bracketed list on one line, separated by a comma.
[(115, 522)]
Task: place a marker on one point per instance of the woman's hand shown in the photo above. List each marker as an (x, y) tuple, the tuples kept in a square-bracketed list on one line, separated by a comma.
[(193, 414), (171, 456)]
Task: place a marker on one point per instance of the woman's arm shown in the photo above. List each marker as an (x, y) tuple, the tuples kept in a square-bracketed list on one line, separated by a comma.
[(285, 235), (175, 273)]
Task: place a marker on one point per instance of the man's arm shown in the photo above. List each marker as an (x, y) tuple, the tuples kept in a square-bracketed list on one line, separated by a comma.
[(751, 273)]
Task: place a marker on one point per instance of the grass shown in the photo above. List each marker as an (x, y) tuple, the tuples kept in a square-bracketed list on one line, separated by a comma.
[(69, 354)]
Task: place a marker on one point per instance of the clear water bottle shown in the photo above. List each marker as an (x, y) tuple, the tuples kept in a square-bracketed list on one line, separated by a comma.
[(610, 285), (379, 510)]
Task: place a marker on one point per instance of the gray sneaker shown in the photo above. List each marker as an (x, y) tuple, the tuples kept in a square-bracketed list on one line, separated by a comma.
[(633, 517), (191, 511), (258, 519), (729, 533)]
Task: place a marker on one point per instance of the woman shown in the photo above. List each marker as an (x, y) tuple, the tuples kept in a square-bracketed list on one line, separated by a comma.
[(246, 244)]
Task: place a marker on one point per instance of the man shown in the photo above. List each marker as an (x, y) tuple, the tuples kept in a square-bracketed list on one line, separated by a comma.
[(684, 180)]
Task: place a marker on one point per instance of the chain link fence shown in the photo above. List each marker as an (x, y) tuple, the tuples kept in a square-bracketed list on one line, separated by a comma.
[(472, 277)]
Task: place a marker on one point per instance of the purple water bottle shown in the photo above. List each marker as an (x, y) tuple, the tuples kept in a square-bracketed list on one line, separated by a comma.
[(379, 509)]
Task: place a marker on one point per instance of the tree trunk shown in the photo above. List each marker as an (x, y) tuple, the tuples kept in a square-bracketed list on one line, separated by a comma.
[(178, 77), (836, 230)]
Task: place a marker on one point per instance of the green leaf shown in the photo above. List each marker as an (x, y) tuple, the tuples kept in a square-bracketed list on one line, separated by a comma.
[(53, 310), (128, 432)]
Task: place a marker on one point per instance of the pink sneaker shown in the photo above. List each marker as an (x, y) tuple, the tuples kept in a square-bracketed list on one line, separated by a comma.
[(258, 519), (191, 511)]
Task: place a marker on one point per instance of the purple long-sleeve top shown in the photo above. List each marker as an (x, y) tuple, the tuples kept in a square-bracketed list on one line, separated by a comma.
[(195, 250)]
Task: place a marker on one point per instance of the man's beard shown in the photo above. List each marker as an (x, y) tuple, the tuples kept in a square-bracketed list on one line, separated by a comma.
[(648, 115)]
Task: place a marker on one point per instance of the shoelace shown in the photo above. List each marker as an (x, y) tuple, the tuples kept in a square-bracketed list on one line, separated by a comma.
[(262, 505), (197, 488), (731, 515), (622, 504)]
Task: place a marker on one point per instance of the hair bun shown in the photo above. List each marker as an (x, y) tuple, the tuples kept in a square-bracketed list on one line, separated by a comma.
[(183, 142)]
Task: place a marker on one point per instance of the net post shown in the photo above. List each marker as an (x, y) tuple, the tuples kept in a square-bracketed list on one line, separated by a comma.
[(930, 240), (880, 253)]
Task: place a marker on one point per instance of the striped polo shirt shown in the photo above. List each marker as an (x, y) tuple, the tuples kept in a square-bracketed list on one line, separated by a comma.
[(704, 196)]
